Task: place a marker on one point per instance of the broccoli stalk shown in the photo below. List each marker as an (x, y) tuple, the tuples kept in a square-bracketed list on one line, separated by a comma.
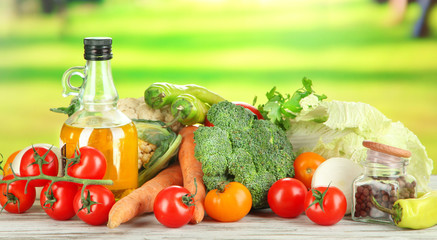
[(242, 148)]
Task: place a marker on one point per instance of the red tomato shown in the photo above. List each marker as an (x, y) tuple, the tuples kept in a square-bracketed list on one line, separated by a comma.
[(88, 163), (243, 104), (30, 160), (95, 205), (333, 201), (305, 165), (170, 209), (207, 123), (286, 197), (229, 205), (14, 199), (58, 202)]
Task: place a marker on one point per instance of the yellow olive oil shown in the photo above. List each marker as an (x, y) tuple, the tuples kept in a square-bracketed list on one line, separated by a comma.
[(119, 145)]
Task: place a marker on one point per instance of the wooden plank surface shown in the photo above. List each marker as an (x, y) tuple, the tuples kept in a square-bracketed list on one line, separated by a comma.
[(260, 224)]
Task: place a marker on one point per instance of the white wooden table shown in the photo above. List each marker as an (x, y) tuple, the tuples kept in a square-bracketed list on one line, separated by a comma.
[(261, 224)]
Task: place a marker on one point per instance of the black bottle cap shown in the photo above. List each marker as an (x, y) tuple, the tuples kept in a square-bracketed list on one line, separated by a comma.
[(98, 48)]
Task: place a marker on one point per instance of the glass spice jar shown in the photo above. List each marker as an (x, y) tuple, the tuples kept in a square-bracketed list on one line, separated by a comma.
[(384, 179)]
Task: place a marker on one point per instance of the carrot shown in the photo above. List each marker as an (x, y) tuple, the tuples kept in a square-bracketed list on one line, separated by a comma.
[(141, 199), (192, 171)]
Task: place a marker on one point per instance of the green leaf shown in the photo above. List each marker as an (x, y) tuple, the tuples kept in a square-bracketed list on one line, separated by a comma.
[(271, 93), (321, 97), (280, 108), (287, 114), (286, 125), (293, 104), (72, 108), (274, 111), (254, 100), (307, 83)]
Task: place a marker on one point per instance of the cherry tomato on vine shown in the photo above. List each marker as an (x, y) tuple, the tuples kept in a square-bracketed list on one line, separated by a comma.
[(30, 160), (15, 199), (253, 109), (229, 205), (305, 165), (174, 206), (286, 197), (58, 202), (95, 205), (87, 163), (325, 205)]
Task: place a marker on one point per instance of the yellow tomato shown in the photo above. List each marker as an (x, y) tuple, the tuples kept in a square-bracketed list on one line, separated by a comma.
[(7, 167), (229, 205)]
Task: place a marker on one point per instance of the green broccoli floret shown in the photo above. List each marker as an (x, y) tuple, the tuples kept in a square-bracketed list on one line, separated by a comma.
[(220, 116), (213, 150), (242, 148)]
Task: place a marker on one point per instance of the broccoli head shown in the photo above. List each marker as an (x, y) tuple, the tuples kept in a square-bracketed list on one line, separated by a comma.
[(241, 148)]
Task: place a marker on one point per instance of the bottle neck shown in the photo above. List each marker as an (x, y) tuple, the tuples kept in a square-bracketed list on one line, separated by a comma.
[(99, 92)]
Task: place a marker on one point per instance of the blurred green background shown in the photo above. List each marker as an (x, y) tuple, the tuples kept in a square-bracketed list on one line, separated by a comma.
[(351, 49)]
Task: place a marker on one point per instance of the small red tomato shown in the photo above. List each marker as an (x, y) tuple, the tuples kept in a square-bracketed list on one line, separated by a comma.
[(94, 206), (87, 163), (16, 199), (325, 205), (286, 197), (31, 159), (170, 208), (58, 202)]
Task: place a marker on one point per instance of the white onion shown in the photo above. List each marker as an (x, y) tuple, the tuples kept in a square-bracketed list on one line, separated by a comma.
[(338, 172)]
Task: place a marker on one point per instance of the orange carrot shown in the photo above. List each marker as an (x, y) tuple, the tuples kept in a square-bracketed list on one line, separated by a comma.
[(192, 171), (141, 199)]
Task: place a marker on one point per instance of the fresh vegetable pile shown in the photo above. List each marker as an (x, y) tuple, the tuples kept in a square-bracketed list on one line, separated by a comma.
[(202, 155)]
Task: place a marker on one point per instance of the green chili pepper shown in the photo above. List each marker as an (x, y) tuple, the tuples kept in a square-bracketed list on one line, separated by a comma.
[(188, 109), (158, 95), (414, 213)]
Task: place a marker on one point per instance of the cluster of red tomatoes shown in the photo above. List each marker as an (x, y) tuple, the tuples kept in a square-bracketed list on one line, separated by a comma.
[(61, 198), (290, 197)]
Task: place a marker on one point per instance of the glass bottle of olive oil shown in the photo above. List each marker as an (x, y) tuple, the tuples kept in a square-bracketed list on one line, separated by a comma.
[(98, 123)]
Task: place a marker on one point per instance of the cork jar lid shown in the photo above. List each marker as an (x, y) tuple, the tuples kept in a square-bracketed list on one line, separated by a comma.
[(379, 147)]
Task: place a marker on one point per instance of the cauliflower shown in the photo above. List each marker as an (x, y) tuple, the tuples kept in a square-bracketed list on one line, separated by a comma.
[(145, 152), (136, 108)]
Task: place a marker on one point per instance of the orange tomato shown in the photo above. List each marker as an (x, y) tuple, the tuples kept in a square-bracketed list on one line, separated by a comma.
[(229, 205), (7, 167), (305, 165)]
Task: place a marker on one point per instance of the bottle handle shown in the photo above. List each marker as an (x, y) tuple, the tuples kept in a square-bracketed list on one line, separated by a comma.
[(68, 88)]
